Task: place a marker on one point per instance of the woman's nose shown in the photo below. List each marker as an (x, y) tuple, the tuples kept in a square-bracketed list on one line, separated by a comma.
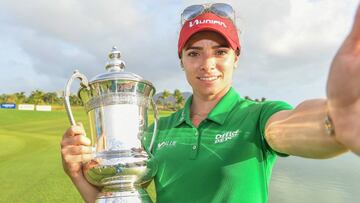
[(209, 63)]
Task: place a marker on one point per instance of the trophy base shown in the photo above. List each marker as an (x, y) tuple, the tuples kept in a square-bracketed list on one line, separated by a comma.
[(135, 196)]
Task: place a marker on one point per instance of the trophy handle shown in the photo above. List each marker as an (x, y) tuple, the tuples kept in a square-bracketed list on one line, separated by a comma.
[(84, 82), (156, 118)]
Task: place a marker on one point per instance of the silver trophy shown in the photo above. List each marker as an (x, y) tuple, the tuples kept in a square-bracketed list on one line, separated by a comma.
[(117, 103)]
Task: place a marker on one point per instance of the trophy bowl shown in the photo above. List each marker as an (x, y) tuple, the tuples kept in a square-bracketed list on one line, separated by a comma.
[(117, 103)]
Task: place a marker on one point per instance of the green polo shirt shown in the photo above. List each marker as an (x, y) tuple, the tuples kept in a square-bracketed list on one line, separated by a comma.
[(224, 159)]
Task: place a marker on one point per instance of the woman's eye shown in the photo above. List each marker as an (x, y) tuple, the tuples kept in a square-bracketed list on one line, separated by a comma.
[(220, 52), (192, 54)]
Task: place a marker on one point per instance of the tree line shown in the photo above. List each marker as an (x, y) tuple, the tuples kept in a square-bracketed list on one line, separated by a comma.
[(38, 97), (166, 100)]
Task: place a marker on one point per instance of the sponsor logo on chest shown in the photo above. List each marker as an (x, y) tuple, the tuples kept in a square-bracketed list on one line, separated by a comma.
[(226, 136)]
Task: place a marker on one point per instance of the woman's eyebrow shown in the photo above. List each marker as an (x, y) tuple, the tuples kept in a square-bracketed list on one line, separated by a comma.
[(193, 47), (221, 46)]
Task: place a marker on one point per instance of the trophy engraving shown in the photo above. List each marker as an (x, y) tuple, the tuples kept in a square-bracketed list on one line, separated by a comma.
[(117, 104)]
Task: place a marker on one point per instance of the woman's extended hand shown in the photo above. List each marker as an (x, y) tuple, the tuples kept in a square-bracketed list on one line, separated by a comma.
[(343, 89)]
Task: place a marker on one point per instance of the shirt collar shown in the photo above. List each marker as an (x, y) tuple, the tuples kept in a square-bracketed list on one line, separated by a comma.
[(218, 114), (223, 108), (184, 113)]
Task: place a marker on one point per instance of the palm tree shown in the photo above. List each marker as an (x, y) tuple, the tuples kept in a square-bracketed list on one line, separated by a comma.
[(10, 98), (20, 97), (75, 100), (51, 98), (36, 97), (179, 99), (159, 100), (2, 98), (165, 95)]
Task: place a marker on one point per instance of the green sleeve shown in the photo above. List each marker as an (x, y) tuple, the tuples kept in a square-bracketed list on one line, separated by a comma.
[(267, 110)]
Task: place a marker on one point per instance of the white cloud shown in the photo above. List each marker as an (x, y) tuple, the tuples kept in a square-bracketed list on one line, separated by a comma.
[(287, 45), (306, 25)]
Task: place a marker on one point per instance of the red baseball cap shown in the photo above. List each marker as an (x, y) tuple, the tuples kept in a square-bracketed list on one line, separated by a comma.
[(211, 22)]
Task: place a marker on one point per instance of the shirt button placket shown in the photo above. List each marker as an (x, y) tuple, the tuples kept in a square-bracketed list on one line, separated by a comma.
[(194, 147)]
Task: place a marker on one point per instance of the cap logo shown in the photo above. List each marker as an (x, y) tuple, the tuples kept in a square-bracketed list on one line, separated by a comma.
[(206, 21)]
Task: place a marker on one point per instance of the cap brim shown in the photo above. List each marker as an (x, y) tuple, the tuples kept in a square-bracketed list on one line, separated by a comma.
[(186, 38)]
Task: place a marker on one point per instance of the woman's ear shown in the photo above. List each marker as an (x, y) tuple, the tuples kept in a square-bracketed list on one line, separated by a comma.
[(237, 52), (181, 65), (237, 56)]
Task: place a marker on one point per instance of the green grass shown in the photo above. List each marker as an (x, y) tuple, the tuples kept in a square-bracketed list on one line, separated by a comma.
[(30, 160)]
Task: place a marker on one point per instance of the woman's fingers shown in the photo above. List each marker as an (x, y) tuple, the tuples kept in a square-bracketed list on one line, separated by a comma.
[(75, 140), (74, 156), (76, 150), (74, 130), (76, 159)]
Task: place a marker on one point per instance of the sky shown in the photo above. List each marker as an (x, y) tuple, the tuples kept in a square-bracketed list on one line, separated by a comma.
[(287, 45)]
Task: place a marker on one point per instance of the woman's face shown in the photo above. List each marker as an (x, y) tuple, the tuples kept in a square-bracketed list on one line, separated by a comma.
[(208, 63)]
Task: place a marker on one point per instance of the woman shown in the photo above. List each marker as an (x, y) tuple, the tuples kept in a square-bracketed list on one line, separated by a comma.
[(221, 147)]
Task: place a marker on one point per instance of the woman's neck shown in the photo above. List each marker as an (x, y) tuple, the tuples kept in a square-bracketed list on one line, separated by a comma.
[(201, 106)]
